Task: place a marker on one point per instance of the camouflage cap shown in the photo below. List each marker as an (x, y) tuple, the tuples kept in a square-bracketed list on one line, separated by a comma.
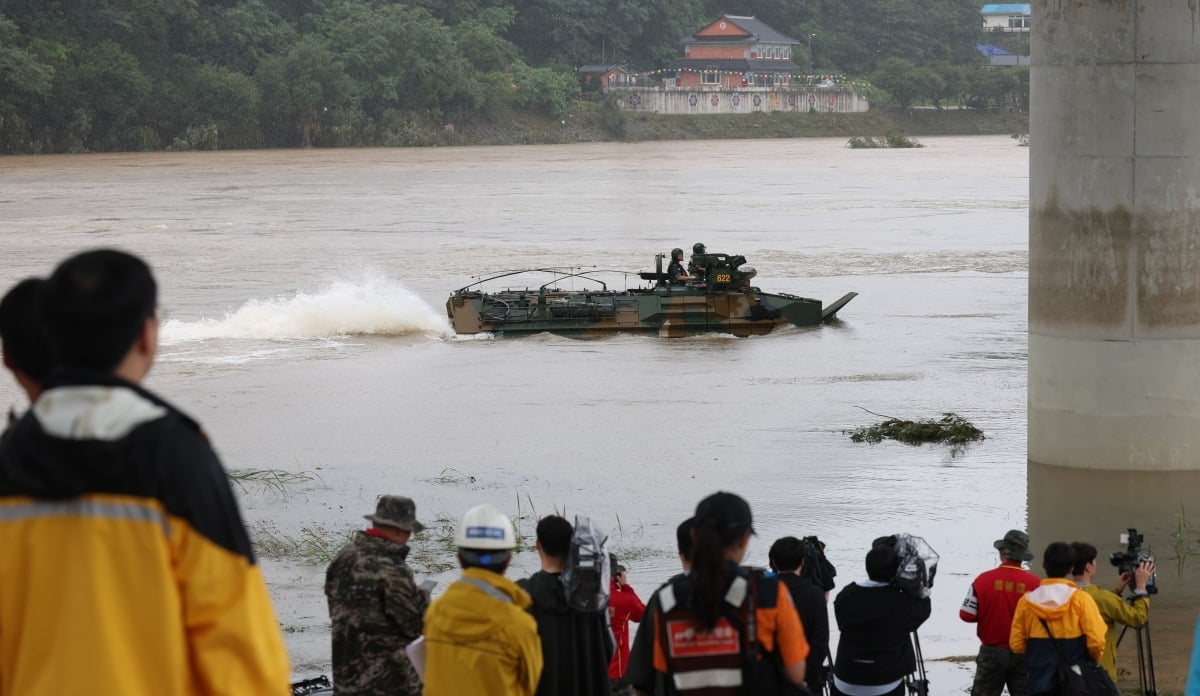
[(1015, 545), (396, 511)]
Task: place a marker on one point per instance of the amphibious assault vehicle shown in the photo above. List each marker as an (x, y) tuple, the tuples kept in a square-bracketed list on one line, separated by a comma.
[(722, 301)]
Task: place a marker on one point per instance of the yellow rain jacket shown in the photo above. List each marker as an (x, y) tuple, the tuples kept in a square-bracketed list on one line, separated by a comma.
[(480, 640), (1114, 609), (1075, 627), (124, 565)]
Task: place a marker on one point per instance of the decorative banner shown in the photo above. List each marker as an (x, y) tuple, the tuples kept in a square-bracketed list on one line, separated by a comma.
[(817, 80)]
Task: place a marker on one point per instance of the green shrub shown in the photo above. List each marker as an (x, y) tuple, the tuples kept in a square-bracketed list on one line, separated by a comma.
[(891, 140), (613, 116), (545, 90)]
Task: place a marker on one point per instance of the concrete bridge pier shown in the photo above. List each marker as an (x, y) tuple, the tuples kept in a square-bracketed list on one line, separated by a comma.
[(1114, 292)]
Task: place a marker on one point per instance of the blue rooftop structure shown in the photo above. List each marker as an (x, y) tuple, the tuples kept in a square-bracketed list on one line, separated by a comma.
[(989, 50), (1011, 8)]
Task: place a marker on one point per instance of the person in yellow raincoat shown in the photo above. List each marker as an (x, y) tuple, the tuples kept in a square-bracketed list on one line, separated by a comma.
[(479, 637), (1075, 626)]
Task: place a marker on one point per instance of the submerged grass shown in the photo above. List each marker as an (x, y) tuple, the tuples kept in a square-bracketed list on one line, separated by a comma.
[(433, 550), (272, 480), (951, 429), (451, 476), (312, 544), (1185, 539)]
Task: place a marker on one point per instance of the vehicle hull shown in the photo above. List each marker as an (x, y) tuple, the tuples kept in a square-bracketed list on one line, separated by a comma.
[(667, 311)]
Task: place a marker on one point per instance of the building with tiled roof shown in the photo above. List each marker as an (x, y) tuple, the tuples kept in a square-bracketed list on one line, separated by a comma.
[(734, 51)]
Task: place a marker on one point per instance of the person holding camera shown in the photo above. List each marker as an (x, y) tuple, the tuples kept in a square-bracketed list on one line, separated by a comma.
[(875, 618), (1114, 609)]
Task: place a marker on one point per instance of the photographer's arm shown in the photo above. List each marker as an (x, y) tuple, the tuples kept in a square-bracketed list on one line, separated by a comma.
[(918, 611), (1134, 613)]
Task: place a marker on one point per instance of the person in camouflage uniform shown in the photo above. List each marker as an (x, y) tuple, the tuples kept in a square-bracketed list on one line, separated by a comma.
[(375, 606)]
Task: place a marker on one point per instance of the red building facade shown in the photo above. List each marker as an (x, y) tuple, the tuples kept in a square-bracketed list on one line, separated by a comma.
[(735, 52)]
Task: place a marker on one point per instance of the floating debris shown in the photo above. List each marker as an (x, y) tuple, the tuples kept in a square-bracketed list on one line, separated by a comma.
[(951, 428)]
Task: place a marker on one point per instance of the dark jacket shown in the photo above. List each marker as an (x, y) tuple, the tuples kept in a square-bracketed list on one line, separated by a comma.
[(814, 615), (576, 646), (875, 647), (674, 271)]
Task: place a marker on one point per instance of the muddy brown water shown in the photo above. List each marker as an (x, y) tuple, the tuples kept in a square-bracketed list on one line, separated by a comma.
[(304, 294)]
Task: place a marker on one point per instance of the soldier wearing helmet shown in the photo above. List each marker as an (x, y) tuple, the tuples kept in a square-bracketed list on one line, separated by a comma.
[(479, 636), (675, 271), (698, 265)]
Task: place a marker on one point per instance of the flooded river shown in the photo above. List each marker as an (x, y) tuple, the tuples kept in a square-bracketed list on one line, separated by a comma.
[(305, 291)]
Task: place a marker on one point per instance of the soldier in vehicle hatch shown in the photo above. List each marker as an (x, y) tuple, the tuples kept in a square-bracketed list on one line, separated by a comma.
[(675, 271), (698, 266)]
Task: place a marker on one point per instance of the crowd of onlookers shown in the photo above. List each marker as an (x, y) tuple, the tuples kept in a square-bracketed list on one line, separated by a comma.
[(126, 568), (717, 627)]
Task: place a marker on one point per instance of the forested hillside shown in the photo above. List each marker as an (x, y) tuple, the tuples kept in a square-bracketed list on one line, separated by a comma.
[(89, 75)]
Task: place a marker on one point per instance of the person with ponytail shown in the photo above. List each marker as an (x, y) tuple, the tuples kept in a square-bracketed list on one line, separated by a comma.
[(721, 629)]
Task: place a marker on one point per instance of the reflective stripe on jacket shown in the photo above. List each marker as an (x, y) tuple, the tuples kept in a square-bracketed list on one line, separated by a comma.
[(713, 662)]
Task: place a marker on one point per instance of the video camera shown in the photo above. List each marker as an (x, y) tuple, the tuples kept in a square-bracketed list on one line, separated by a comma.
[(1127, 561), (918, 563)]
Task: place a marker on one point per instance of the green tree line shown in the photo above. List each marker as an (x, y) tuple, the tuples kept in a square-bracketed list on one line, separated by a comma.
[(91, 75), (943, 84)]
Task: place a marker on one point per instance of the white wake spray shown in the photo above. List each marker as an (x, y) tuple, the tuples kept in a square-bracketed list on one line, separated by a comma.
[(373, 306)]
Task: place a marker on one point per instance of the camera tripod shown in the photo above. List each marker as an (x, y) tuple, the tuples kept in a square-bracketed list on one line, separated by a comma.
[(917, 684), (1145, 655)]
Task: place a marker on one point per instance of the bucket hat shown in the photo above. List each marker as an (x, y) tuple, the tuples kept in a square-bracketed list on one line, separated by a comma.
[(1015, 545), (396, 511)]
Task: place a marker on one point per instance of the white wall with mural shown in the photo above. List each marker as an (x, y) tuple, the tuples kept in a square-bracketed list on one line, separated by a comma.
[(743, 100)]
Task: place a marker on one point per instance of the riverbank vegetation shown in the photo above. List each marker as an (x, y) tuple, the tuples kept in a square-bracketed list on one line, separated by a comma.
[(891, 140), (189, 75)]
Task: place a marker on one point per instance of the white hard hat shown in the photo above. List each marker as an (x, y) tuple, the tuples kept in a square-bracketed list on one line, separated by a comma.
[(485, 527)]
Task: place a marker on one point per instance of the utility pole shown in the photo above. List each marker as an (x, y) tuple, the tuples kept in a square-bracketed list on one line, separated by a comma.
[(812, 64)]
